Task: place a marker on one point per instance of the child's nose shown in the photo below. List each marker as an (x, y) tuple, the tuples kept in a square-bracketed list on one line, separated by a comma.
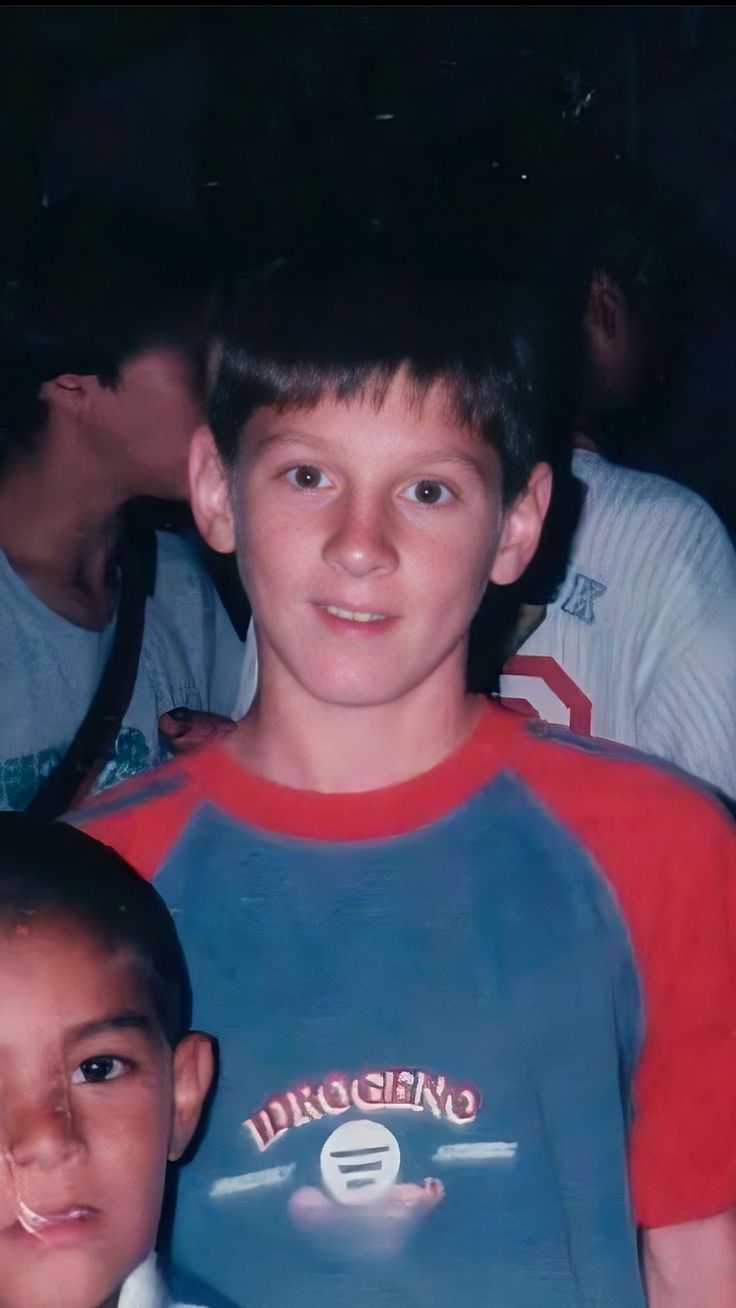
[(40, 1134), (361, 540)]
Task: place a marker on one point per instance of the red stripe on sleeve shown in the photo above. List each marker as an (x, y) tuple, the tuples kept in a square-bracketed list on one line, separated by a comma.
[(668, 852), (143, 819)]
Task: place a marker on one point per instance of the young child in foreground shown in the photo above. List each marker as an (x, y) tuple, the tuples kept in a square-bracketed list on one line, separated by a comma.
[(472, 977), (101, 1081)]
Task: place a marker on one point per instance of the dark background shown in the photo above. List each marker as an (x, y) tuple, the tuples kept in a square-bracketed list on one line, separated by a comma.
[(265, 124), (298, 93)]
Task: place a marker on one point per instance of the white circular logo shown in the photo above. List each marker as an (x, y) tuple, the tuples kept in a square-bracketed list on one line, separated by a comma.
[(359, 1162)]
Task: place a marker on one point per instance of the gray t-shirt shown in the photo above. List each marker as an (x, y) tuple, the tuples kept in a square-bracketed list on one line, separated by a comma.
[(49, 671)]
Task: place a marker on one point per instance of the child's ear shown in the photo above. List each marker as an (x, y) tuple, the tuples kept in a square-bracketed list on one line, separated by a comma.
[(209, 489), (69, 393), (522, 528), (193, 1071)]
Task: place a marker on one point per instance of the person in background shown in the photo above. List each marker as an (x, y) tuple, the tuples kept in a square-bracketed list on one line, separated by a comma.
[(624, 625), (636, 641), (105, 623)]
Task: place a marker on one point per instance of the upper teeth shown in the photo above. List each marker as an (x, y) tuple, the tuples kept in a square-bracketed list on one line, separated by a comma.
[(351, 616)]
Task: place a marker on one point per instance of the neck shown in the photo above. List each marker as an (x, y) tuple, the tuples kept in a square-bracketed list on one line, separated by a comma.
[(311, 745), (59, 512)]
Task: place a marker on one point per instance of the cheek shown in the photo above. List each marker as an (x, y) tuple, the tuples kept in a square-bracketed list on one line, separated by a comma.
[(192, 416), (272, 548), (138, 1178), (167, 419), (176, 424), (455, 566), (131, 1139)]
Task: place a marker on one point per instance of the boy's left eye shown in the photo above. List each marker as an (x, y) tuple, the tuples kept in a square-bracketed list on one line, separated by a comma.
[(429, 492), (103, 1068), (307, 477)]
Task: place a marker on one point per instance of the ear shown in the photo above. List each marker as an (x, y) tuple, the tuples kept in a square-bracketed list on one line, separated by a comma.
[(193, 1072), (69, 392), (522, 528), (209, 490), (606, 311)]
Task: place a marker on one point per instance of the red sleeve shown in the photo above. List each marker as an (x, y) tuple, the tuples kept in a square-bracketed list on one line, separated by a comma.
[(683, 1149), (668, 851), (143, 818)]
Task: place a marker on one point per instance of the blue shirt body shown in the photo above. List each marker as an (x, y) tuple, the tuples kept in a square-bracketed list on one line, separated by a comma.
[(426, 1052)]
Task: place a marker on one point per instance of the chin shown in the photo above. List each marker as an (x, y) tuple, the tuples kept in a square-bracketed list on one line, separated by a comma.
[(346, 693), (61, 1286)]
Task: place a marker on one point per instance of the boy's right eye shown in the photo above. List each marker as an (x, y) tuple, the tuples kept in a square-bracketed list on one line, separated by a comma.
[(94, 1070), (307, 477)]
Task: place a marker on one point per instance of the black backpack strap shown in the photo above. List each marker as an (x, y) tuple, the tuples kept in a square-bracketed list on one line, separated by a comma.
[(73, 778), (222, 569)]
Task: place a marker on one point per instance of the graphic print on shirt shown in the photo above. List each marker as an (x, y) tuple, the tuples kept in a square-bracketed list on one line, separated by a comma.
[(21, 777), (413, 1089), (365, 1206), (581, 600), (537, 687)]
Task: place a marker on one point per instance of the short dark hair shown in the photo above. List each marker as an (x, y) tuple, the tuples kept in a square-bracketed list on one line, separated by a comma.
[(95, 286), (298, 336), (54, 870)]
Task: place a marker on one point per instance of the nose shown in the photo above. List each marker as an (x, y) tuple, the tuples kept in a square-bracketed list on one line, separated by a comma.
[(362, 539), (40, 1133)]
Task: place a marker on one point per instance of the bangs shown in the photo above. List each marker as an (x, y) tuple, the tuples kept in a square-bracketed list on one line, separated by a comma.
[(290, 351)]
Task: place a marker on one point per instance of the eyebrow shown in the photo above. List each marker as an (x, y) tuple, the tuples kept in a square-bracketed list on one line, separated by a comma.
[(128, 1021), (453, 456), (439, 455), (287, 437)]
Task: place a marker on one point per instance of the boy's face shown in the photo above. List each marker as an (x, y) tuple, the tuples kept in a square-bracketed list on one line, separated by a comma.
[(366, 536), (92, 1103), (151, 414)]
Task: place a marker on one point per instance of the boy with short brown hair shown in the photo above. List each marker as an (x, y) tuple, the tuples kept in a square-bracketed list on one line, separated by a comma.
[(473, 980)]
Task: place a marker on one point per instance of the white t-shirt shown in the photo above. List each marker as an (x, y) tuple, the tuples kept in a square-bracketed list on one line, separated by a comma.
[(49, 671), (249, 675), (145, 1289), (640, 644)]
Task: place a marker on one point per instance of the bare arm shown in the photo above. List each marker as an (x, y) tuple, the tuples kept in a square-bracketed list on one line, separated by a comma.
[(692, 1265)]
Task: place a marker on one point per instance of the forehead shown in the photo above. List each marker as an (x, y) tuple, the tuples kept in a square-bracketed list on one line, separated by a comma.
[(160, 368), (399, 417), (57, 969)]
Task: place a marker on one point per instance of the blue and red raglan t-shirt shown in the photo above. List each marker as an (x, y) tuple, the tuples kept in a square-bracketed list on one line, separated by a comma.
[(472, 1027)]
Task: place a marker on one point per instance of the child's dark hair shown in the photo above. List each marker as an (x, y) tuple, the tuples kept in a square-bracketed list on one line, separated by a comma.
[(300, 336), (53, 870)]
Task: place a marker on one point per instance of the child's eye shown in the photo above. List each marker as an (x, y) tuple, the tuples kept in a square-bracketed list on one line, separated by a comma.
[(429, 492), (307, 477), (103, 1068)]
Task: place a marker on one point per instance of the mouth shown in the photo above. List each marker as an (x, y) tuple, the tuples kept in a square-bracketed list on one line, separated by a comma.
[(353, 615), (62, 1226)]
